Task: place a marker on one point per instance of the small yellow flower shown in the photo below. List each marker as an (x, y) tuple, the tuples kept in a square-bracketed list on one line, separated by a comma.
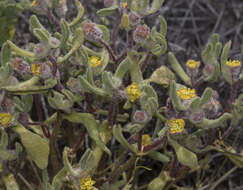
[(35, 68), (33, 3), (175, 125), (133, 92), (186, 93), (5, 118), (94, 61), (124, 5), (146, 140), (192, 64), (233, 64), (86, 183)]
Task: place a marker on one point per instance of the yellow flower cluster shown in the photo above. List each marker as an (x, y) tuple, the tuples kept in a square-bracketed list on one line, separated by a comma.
[(86, 183), (175, 125), (33, 3), (146, 140), (5, 119), (192, 64), (124, 5), (35, 68), (94, 61), (186, 93), (133, 92), (233, 64)]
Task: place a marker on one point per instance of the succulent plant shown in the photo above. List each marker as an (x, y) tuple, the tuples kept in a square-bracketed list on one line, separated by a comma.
[(74, 77)]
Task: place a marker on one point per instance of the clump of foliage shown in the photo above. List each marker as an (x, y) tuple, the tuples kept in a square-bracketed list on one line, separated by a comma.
[(9, 12), (80, 111)]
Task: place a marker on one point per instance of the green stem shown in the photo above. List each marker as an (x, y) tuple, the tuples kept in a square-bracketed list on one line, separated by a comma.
[(215, 184), (53, 151), (117, 172)]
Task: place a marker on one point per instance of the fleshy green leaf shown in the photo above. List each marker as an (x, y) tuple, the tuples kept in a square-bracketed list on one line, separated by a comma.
[(117, 132), (90, 124), (184, 156), (178, 69), (107, 11), (36, 146)]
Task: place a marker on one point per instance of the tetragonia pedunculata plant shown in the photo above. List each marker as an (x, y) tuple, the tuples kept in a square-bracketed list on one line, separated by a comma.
[(87, 117)]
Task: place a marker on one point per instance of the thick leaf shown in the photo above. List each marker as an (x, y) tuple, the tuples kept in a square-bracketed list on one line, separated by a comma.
[(163, 76), (184, 156), (30, 87), (36, 146), (160, 182), (77, 19), (158, 156), (19, 51), (224, 57), (178, 69), (207, 94), (87, 161), (10, 182), (213, 123), (90, 124), (123, 67), (107, 11), (5, 54), (156, 4), (117, 132)]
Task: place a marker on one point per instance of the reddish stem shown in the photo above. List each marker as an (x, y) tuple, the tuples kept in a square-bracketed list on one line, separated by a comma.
[(155, 143), (52, 18), (44, 127), (109, 49), (233, 94), (139, 142), (228, 132), (80, 140), (146, 61), (115, 31)]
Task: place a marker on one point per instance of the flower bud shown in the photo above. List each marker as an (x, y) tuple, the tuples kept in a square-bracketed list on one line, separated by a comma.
[(208, 70), (54, 42), (109, 3), (212, 109), (21, 66), (74, 85), (41, 50), (196, 116), (40, 6), (46, 71), (12, 80), (134, 18), (141, 34), (91, 31), (140, 116), (7, 105), (61, 8)]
